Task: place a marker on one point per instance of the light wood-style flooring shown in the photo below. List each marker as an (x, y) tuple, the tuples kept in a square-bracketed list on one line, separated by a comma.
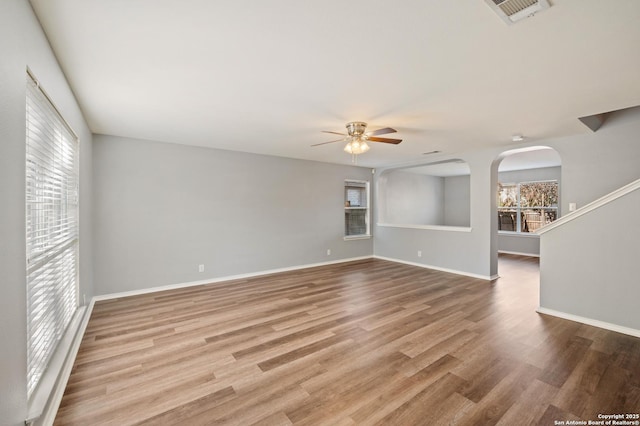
[(366, 342)]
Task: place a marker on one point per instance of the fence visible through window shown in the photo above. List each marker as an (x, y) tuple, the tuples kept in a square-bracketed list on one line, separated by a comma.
[(527, 206)]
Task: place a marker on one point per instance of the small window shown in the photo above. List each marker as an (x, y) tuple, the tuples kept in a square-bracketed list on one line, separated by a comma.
[(356, 208), (526, 206)]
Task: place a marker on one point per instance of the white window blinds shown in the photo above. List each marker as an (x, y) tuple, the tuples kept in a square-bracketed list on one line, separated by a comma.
[(51, 229)]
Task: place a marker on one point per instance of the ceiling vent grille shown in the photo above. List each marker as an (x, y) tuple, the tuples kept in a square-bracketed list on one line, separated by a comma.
[(515, 10)]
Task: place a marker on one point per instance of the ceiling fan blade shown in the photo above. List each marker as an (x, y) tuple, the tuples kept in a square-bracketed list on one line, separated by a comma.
[(382, 131), (385, 140), (324, 143), (333, 133)]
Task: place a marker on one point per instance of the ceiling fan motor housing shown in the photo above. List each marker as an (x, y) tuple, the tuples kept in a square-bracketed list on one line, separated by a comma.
[(356, 128)]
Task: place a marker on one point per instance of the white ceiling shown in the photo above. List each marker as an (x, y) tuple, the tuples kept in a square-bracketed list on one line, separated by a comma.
[(533, 157), (530, 159), (268, 76), (454, 167)]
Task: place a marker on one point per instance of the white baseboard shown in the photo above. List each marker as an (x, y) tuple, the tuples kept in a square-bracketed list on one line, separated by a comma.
[(437, 268), (223, 279), (589, 321), (517, 253), (278, 270)]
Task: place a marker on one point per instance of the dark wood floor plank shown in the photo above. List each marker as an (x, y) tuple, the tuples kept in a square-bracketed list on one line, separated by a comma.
[(402, 390), (583, 382), (612, 392), (485, 379), (504, 394), (572, 353), (339, 398), (365, 342), (183, 413), (412, 412), (439, 349), (553, 415), (300, 353), (530, 405)]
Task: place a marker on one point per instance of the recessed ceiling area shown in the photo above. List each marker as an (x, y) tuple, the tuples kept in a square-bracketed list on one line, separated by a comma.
[(535, 158), (267, 77), (446, 168)]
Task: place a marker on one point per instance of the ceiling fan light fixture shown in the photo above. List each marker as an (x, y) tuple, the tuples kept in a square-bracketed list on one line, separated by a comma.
[(357, 138), (356, 146)]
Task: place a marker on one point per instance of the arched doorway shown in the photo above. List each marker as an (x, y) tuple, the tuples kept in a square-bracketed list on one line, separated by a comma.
[(526, 186)]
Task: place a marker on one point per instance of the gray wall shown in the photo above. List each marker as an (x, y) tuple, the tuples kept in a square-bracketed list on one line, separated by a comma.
[(528, 244), (457, 200), (466, 252), (593, 164), (588, 266), (408, 198), (412, 198), (596, 163), (22, 44), (162, 209), (525, 244)]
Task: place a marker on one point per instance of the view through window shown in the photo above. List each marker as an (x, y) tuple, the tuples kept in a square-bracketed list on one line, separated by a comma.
[(526, 206), (356, 208)]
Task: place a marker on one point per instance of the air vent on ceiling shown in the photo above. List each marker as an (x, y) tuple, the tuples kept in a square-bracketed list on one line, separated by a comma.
[(514, 10)]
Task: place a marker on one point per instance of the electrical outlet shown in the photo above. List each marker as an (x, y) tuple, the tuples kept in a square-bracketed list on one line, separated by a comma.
[(328, 252), (200, 268), (419, 253), (572, 207)]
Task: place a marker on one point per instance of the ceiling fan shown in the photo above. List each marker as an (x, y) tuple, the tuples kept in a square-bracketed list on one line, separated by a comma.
[(357, 138)]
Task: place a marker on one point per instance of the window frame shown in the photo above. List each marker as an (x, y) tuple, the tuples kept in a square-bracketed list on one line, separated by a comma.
[(348, 208), (520, 210)]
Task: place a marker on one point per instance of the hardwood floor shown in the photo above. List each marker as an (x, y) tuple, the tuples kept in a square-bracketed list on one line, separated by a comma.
[(367, 342)]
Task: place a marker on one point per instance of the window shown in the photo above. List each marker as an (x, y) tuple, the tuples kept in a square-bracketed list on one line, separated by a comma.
[(51, 229), (356, 208), (527, 206)]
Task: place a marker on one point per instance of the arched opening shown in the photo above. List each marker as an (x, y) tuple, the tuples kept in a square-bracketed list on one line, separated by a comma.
[(429, 195), (526, 186)]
